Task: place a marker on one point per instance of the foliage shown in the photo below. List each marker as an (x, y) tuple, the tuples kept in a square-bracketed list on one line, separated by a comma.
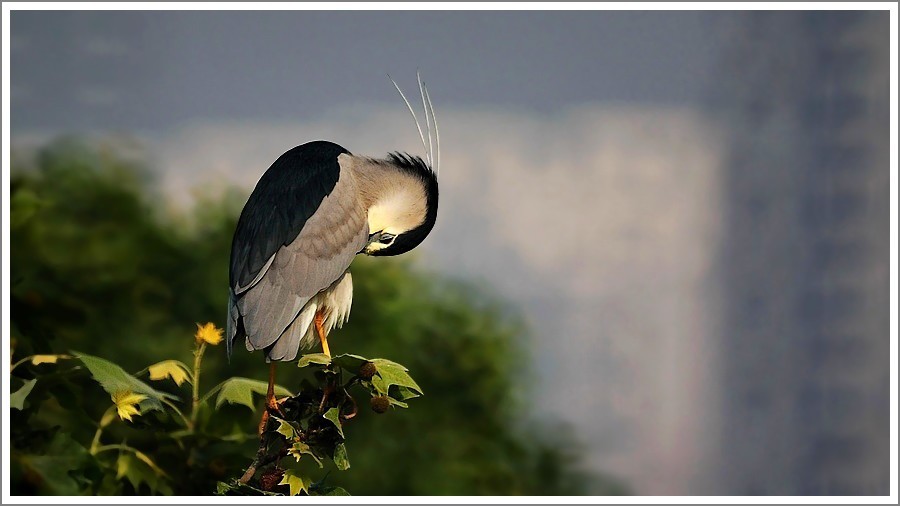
[(101, 265), (310, 425), (67, 466)]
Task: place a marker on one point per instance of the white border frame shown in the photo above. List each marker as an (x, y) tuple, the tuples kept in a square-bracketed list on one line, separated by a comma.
[(648, 6)]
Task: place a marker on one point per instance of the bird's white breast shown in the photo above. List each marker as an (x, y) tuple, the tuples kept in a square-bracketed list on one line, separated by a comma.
[(335, 301)]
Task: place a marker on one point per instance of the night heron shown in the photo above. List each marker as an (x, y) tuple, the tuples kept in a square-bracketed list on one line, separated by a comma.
[(310, 214)]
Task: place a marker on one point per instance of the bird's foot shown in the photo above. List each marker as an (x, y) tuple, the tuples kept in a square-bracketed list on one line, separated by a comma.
[(273, 408)]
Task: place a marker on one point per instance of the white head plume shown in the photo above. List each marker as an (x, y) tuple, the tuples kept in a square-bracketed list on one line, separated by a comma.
[(435, 142)]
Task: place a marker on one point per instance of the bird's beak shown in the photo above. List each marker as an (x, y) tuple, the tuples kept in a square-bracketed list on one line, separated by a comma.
[(374, 237)]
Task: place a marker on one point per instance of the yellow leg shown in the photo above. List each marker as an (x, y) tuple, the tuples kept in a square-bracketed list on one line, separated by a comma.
[(271, 403), (320, 330), (270, 392)]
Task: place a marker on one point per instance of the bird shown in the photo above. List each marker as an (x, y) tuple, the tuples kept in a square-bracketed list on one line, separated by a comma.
[(312, 211)]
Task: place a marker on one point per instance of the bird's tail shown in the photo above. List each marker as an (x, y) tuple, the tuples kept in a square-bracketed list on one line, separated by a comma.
[(233, 325)]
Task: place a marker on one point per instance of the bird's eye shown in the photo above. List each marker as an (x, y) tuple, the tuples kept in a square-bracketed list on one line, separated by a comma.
[(387, 238)]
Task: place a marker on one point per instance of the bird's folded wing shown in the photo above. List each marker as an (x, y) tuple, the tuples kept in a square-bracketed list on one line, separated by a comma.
[(286, 196), (319, 255)]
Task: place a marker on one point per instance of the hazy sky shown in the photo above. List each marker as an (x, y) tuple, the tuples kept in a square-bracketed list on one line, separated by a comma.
[(153, 70)]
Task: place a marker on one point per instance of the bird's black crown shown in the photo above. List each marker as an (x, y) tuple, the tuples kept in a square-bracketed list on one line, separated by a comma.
[(417, 167)]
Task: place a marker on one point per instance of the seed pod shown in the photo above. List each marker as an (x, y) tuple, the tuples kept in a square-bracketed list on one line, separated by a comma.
[(380, 404), (269, 480), (366, 371)]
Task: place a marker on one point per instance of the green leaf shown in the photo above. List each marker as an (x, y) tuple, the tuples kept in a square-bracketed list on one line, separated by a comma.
[(47, 359), (404, 393), (314, 358), (351, 363), (379, 384), (52, 471), (340, 457), (130, 468), (388, 363), (240, 391), (299, 448), (395, 402), (296, 482), (17, 399), (286, 429), (174, 369), (390, 374), (333, 415), (114, 379), (147, 460), (138, 469)]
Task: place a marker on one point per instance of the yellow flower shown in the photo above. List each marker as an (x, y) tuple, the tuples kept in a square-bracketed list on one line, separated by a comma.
[(126, 403), (208, 333)]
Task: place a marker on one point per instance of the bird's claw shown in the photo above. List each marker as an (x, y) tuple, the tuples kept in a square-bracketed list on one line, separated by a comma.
[(273, 406)]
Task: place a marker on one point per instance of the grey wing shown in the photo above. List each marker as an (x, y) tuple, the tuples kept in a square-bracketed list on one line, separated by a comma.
[(320, 255)]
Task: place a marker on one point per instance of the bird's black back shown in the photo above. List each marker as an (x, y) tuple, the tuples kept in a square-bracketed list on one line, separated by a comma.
[(289, 192)]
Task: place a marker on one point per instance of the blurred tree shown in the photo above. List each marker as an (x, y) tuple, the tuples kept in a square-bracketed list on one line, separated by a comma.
[(97, 266)]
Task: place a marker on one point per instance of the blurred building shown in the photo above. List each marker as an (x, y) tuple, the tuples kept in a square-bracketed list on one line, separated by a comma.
[(805, 254)]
